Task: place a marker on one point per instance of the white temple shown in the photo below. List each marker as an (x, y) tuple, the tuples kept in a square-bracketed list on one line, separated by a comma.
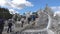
[(46, 23)]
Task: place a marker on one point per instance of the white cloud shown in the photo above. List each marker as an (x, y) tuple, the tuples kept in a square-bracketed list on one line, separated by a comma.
[(56, 9), (2, 2), (57, 13), (17, 4), (20, 3), (13, 11), (28, 3)]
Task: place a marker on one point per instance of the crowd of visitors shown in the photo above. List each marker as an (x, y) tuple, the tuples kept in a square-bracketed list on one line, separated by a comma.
[(11, 22)]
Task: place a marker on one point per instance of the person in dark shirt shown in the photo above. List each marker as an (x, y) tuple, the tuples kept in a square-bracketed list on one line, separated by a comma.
[(33, 17), (10, 26), (1, 25), (29, 19), (22, 22)]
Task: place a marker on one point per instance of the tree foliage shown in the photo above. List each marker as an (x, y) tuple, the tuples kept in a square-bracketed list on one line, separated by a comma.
[(4, 13)]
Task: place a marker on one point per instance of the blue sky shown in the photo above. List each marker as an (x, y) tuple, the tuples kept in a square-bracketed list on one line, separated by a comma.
[(40, 4), (31, 5)]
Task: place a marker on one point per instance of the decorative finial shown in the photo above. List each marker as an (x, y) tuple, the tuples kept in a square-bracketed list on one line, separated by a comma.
[(46, 5), (46, 8)]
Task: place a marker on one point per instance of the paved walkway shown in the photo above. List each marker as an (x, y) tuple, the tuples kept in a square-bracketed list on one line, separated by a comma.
[(20, 29)]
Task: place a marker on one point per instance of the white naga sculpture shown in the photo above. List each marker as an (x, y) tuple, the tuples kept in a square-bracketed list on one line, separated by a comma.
[(52, 27), (45, 14), (52, 24)]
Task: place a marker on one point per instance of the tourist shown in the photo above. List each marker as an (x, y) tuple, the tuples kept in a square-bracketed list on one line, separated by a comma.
[(1, 24), (22, 22), (10, 23), (29, 19), (33, 17)]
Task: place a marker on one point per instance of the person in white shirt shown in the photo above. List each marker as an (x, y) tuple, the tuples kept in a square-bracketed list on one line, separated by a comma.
[(22, 22)]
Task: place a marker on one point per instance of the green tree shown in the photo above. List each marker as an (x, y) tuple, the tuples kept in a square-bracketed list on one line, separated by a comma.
[(4, 13), (16, 16)]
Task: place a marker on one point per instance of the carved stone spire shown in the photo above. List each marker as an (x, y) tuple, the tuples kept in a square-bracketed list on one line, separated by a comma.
[(47, 7), (48, 10)]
